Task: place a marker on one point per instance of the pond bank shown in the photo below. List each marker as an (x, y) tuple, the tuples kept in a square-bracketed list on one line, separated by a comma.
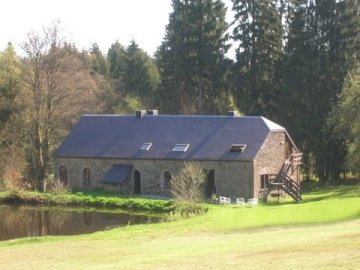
[(91, 199)]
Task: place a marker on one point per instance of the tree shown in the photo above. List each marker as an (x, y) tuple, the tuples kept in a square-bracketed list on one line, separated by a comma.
[(9, 81), (258, 30), (345, 117), (58, 89), (10, 146), (298, 110), (322, 46), (99, 63), (191, 58), (141, 78), (116, 58), (133, 76), (128, 105)]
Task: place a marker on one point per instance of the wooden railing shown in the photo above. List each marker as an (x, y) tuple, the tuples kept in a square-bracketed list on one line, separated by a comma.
[(296, 159), (284, 181), (293, 162), (292, 188)]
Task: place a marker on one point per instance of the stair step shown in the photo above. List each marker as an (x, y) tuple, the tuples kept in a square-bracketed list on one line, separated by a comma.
[(287, 184)]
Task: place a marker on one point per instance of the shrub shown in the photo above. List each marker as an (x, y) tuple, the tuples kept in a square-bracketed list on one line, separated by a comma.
[(185, 186), (12, 184), (2, 184), (59, 188), (185, 210)]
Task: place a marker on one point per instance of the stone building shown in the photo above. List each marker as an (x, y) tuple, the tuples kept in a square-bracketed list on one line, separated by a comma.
[(138, 154)]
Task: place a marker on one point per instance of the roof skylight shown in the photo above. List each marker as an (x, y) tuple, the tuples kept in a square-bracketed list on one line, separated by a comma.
[(146, 146), (238, 148), (180, 147)]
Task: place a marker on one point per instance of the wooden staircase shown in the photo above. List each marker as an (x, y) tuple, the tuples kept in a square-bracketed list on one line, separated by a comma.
[(283, 181)]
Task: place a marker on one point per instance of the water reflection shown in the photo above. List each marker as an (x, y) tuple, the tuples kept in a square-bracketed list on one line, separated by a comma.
[(17, 221)]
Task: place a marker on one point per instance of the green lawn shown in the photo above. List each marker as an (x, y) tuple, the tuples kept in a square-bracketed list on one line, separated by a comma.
[(321, 233)]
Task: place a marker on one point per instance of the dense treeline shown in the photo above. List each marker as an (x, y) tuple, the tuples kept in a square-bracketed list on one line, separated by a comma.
[(296, 63)]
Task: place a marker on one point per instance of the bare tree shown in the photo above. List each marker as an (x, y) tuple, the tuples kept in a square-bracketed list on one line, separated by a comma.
[(185, 186), (58, 88)]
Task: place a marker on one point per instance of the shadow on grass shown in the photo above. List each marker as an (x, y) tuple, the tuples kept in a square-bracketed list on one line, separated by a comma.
[(98, 193), (321, 194), (279, 203), (333, 193)]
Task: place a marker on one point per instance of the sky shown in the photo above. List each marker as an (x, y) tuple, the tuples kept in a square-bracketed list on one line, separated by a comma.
[(85, 22)]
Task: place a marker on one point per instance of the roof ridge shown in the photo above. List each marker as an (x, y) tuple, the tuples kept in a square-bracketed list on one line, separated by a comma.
[(272, 126)]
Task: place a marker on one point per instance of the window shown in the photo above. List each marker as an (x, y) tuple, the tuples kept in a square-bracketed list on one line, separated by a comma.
[(180, 147), (146, 146), (238, 148), (167, 179), (264, 181), (63, 175), (86, 177)]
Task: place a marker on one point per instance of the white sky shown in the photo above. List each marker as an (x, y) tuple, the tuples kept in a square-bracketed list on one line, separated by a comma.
[(85, 22)]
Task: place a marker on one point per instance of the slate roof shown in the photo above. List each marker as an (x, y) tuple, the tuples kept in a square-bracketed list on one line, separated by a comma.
[(209, 137)]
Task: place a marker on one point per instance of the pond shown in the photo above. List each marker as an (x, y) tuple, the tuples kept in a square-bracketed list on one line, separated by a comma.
[(17, 221)]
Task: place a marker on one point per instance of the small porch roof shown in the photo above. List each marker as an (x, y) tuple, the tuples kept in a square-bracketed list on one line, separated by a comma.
[(117, 174)]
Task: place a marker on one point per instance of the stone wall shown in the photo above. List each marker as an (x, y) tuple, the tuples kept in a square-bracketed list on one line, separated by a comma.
[(271, 158), (232, 178)]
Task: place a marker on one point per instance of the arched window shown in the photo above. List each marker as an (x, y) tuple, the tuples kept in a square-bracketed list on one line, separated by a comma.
[(137, 182), (63, 175), (86, 177), (167, 178)]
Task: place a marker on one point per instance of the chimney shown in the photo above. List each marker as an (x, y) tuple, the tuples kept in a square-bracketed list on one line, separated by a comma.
[(233, 113), (140, 114), (152, 112)]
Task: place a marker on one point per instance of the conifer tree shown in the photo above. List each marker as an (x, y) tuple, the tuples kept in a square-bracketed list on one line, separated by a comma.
[(345, 118), (9, 82), (116, 59), (192, 57), (320, 51), (134, 76), (142, 77), (258, 30), (99, 63)]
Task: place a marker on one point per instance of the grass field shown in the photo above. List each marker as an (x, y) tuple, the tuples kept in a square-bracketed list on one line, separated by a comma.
[(321, 233)]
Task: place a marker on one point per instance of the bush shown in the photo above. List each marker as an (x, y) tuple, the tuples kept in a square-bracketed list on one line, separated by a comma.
[(55, 187), (185, 210), (186, 185), (2, 185), (14, 184), (59, 188), (188, 209)]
